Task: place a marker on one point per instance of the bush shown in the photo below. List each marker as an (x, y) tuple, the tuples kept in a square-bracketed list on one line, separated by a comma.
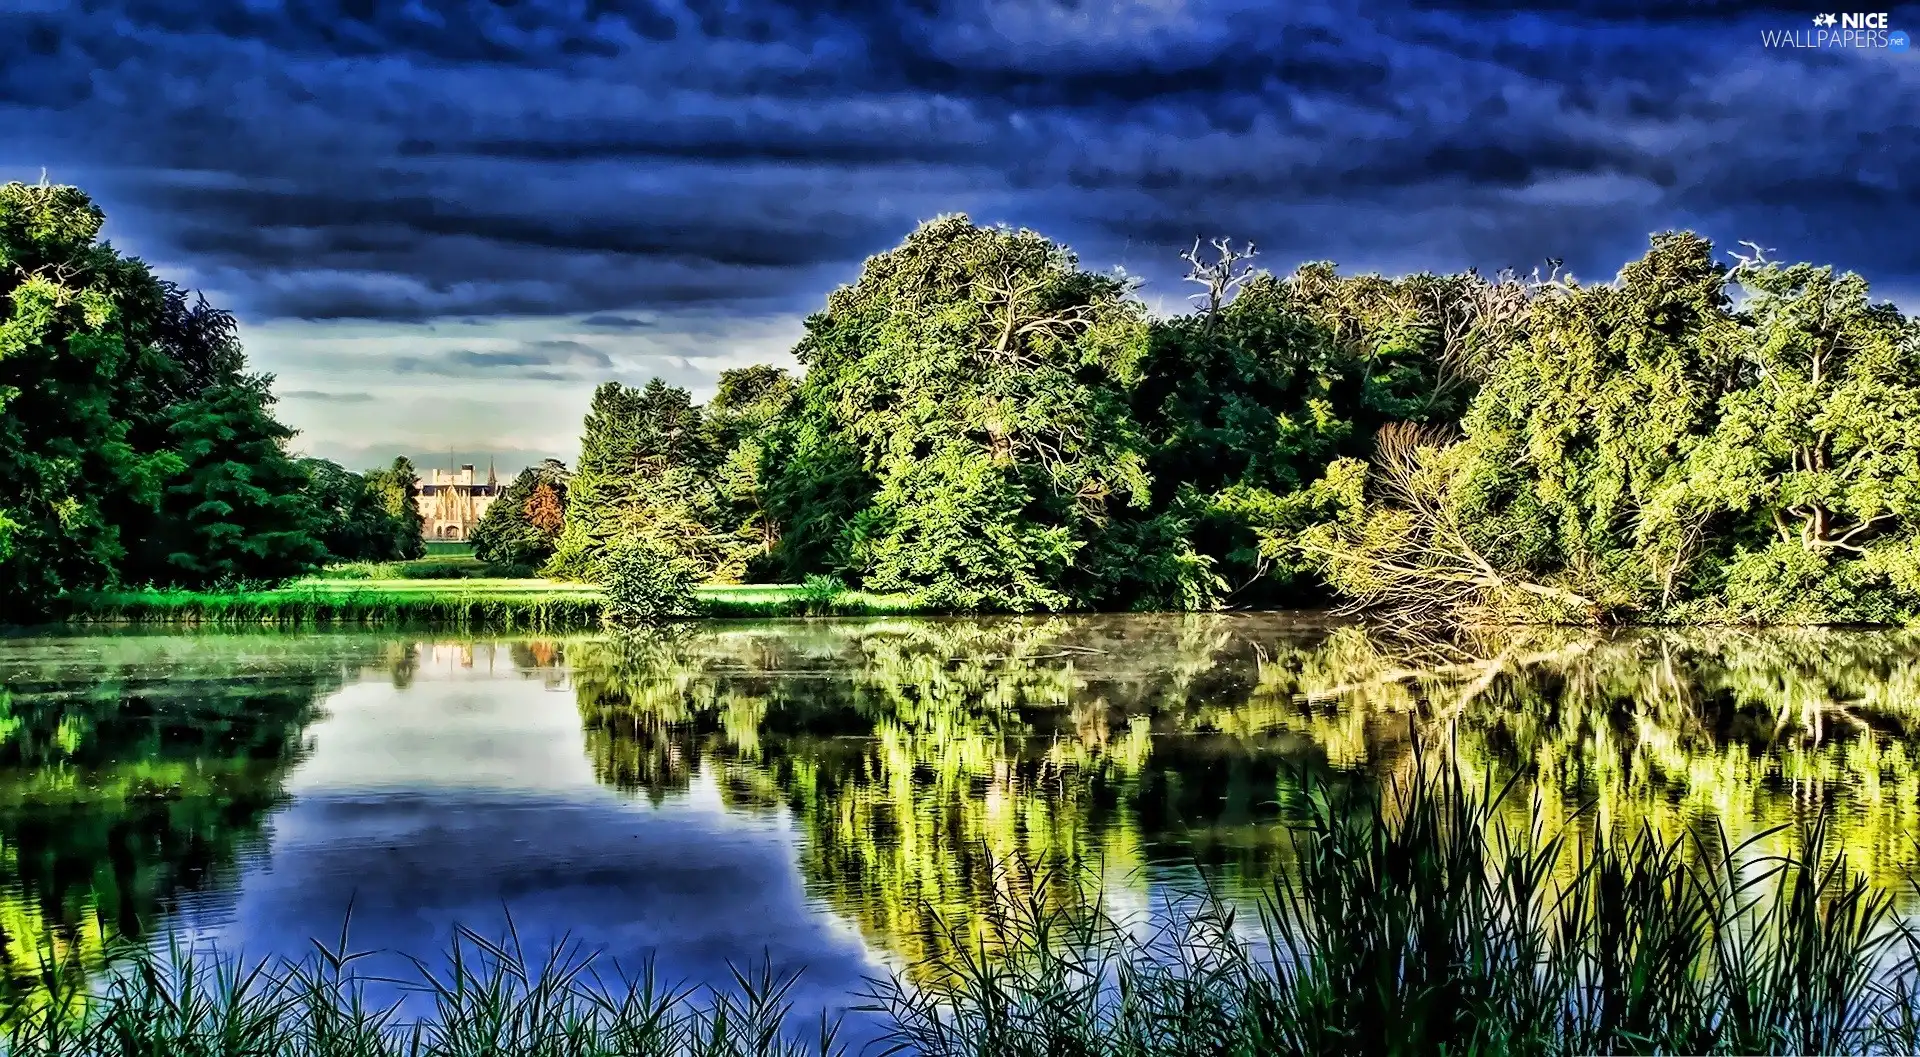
[(646, 582), (818, 594)]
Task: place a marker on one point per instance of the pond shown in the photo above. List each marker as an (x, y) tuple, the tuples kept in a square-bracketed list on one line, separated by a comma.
[(834, 795)]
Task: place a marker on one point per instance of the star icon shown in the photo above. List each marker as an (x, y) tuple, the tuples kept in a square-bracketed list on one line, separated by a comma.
[(1824, 20)]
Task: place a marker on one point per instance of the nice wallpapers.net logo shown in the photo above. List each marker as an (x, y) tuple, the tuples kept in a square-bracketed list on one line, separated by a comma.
[(1853, 29)]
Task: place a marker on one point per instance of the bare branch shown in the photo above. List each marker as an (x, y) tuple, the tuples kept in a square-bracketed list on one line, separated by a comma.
[(1220, 276)]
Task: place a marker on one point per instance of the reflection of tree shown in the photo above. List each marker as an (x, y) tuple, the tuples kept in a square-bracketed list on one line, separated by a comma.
[(402, 661), (544, 658), (910, 751), (1692, 729), (135, 768), (914, 752)]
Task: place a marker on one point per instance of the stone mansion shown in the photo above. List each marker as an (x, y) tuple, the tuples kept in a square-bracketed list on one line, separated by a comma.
[(451, 502)]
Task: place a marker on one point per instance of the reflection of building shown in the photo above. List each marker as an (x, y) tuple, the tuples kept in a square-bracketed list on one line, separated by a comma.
[(451, 503)]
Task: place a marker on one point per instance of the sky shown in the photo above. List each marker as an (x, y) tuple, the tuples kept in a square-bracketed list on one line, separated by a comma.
[(442, 222)]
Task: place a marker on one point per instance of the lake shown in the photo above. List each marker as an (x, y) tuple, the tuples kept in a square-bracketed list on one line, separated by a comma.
[(845, 795)]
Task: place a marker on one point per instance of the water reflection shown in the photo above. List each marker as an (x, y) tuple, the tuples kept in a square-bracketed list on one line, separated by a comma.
[(825, 792), (909, 752), (134, 770)]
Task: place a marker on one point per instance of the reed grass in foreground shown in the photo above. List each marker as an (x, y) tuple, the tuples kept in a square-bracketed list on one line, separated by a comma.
[(1415, 926)]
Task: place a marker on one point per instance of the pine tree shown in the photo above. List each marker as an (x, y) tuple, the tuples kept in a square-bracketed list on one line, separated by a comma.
[(238, 505)]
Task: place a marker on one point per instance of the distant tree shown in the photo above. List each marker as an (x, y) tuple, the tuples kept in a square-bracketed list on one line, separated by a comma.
[(522, 527), (543, 510), (356, 521), (645, 470), (751, 404), (397, 488)]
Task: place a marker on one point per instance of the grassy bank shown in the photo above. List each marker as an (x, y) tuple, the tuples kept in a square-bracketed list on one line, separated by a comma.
[(503, 603), (1414, 926)]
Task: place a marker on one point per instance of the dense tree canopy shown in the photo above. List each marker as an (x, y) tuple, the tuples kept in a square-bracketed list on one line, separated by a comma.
[(984, 424), (366, 517), (964, 425), (1659, 449), (134, 446)]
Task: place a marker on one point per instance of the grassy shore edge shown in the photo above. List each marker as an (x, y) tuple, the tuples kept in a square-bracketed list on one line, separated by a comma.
[(505, 604)]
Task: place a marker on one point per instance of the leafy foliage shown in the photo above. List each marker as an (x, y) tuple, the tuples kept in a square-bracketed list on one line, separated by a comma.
[(522, 527), (1654, 451), (237, 507), (962, 432), (134, 446), (397, 487), (1249, 401), (985, 424), (646, 582), (358, 524)]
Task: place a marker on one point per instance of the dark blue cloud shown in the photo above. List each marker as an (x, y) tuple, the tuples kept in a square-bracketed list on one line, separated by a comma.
[(468, 158), (551, 359), (608, 321)]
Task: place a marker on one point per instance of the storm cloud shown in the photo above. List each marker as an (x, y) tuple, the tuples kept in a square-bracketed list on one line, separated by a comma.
[(549, 359), (627, 165)]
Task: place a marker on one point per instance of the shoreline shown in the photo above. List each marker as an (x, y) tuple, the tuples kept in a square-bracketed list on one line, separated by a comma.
[(481, 603), (504, 604)]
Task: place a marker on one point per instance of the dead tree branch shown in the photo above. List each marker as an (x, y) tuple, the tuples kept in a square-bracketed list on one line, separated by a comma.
[(1220, 276)]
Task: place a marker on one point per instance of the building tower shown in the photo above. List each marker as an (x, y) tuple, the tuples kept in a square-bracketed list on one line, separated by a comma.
[(452, 502)]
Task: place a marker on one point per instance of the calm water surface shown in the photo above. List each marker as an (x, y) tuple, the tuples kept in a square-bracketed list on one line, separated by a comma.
[(827, 793)]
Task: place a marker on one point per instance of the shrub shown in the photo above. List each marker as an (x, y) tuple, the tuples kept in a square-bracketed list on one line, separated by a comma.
[(646, 582)]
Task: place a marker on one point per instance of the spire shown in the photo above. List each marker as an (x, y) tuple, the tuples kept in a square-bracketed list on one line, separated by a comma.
[(492, 481)]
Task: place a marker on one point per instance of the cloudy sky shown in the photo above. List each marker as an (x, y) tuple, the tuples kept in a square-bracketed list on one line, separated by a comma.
[(441, 222)]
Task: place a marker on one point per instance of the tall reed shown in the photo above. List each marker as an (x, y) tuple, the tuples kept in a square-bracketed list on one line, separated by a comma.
[(1416, 921), (490, 999), (1419, 922)]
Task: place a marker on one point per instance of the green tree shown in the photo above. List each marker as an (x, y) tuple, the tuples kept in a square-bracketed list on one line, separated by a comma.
[(1812, 470), (976, 378), (354, 520), (237, 508), (1250, 398), (646, 471), (1653, 451), (398, 488), (751, 403), (647, 582), (99, 360), (70, 413), (522, 527)]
